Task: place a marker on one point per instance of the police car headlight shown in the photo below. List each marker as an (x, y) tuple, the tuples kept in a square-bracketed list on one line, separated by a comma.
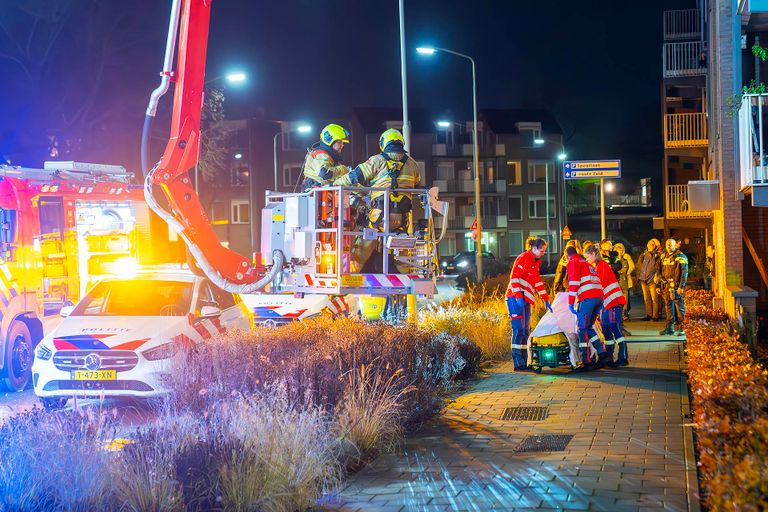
[(43, 353), (462, 264), (164, 351), (444, 264)]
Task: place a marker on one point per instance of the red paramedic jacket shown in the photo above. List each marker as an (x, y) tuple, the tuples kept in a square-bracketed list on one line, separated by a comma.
[(524, 280), (582, 280), (612, 294)]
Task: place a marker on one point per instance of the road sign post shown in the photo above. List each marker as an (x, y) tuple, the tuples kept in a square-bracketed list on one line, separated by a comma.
[(591, 169)]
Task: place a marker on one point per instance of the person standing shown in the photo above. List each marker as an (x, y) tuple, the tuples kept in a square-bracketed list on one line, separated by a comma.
[(584, 284), (560, 283), (524, 283), (625, 275), (648, 265), (613, 305), (674, 274), (709, 267)]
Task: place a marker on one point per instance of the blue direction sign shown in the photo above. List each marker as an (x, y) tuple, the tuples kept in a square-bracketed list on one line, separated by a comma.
[(581, 169)]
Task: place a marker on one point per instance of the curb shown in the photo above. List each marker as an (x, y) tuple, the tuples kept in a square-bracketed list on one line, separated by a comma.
[(693, 493)]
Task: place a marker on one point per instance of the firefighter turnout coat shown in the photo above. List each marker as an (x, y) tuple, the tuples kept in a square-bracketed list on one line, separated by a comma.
[(524, 280), (321, 166), (674, 269)]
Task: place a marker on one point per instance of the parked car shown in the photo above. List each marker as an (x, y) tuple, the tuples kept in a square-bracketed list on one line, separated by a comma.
[(463, 262), (276, 309), (126, 333)]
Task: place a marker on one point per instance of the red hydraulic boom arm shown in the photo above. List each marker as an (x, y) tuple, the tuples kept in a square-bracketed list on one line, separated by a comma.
[(226, 268)]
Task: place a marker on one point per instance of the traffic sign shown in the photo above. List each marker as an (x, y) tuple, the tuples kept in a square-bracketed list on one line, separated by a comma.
[(581, 169), (566, 233)]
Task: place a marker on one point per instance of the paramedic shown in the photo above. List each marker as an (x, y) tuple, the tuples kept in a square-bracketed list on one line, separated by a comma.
[(613, 305), (584, 284)]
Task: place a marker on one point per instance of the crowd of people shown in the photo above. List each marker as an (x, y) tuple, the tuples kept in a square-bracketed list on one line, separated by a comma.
[(599, 278)]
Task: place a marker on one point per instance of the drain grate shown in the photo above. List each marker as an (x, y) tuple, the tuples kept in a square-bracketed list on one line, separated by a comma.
[(547, 443), (525, 413)]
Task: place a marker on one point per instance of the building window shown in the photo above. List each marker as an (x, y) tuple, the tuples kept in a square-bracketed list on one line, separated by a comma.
[(219, 213), (515, 243), (445, 171), (515, 208), (240, 212), (239, 175), (291, 175), (293, 141), (448, 246), (537, 207), (537, 172), (514, 173), (549, 238)]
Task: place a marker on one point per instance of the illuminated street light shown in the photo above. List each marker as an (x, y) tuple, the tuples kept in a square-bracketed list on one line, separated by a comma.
[(562, 156), (609, 187), (304, 128), (475, 152), (287, 127), (238, 156), (444, 124), (538, 141), (236, 78)]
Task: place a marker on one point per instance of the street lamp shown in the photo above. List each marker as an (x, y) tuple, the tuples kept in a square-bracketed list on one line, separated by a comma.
[(234, 78), (479, 251), (540, 141), (302, 128)]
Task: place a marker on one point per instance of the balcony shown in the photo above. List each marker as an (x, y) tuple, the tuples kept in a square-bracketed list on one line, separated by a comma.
[(684, 59), (753, 141), (682, 24), (676, 205), (685, 130)]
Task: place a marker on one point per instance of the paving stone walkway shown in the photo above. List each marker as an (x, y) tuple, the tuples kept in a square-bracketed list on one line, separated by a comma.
[(629, 449)]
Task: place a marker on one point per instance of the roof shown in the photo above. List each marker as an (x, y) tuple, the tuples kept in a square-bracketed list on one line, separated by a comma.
[(505, 120), (373, 119)]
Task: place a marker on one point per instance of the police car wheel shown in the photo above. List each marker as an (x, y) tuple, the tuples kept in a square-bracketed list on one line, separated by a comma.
[(19, 354), (55, 403)]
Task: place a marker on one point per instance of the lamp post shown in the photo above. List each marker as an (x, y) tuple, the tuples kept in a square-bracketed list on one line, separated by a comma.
[(560, 156), (476, 158), (293, 127)]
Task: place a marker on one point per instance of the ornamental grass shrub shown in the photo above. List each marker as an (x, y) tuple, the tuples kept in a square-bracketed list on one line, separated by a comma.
[(730, 404), (313, 358)]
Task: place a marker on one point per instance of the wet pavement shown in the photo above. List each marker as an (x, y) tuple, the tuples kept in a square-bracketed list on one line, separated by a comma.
[(610, 440)]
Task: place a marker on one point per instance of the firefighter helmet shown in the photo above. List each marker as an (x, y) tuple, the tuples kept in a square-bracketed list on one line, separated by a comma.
[(391, 136), (333, 133)]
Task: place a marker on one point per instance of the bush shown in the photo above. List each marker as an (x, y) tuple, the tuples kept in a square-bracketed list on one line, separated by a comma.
[(486, 326), (730, 404), (40, 451)]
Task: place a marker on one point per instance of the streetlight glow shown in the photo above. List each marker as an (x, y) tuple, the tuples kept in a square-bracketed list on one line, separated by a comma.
[(562, 156), (609, 187), (238, 77), (444, 124), (304, 128), (538, 141), (425, 50), (238, 156)]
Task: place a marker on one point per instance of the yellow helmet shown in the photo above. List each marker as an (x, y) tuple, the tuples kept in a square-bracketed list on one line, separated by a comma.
[(389, 137), (333, 133)]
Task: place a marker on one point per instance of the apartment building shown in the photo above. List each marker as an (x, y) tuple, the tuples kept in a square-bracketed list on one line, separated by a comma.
[(716, 49), (521, 182)]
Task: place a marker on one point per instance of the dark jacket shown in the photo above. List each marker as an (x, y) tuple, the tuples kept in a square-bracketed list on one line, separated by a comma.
[(674, 269), (613, 260), (648, 265)]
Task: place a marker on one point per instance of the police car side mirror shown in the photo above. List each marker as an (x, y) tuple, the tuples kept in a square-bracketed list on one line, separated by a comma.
[(66, 311), (209, 312)]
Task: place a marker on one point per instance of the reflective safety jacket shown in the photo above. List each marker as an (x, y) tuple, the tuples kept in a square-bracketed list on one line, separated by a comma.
[(321, 166), (582, 280), (524, 280), (385, 170), (674, 269), (612, 294)]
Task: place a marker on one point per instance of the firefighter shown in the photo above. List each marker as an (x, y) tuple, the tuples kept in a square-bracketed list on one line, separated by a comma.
[(392, 168), (524, 283), (674, 274), (323, 162), (584, 284), (611, 317), (610, 256)]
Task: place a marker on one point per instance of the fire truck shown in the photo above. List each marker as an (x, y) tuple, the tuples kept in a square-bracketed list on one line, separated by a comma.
[(62, 228), (309, 239)]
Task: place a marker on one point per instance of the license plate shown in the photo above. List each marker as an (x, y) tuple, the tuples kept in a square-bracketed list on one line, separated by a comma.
[(94, 375)]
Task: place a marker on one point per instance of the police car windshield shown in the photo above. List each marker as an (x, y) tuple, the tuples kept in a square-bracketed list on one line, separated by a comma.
[(142, 297)]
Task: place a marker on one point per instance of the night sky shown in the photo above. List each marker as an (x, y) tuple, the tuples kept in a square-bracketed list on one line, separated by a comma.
[(597, 67)]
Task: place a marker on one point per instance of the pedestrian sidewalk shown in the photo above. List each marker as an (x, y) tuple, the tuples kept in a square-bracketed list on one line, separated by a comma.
[(622, 439)]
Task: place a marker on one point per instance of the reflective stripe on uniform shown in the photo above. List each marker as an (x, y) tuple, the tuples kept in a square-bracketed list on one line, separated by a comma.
[(610, 298), (515, 345), (585, 287), (609, 342), (611, 287), (620, 340)]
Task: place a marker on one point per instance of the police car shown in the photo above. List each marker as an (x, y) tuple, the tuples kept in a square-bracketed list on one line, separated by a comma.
[(125, 334), (277, 309)]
